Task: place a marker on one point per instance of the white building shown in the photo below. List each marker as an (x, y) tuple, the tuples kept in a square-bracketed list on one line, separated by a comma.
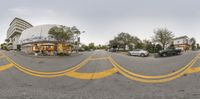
[(182, 43), (38, 40), (17, 26)]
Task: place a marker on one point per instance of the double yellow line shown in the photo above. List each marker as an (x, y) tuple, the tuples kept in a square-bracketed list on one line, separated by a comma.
[(97, 75), (48, 74), (7, 66), (154, 79), (69, 72)]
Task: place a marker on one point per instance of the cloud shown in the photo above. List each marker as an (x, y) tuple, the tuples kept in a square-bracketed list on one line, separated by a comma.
[(26, 11), (20, 11)]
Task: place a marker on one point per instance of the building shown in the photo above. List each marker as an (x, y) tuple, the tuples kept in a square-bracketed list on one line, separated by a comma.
[(37, 40), (17, 26), (182, 43)]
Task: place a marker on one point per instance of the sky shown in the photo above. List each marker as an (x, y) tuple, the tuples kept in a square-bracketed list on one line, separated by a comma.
[(102, 20)]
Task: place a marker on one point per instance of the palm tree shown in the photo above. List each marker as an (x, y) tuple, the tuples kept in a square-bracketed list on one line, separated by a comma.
[(76, 34)]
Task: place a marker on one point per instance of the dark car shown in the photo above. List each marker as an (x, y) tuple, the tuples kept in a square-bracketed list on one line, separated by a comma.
[(169, 52)]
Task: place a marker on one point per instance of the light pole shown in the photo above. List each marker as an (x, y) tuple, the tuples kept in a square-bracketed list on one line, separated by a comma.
[(78, 42)]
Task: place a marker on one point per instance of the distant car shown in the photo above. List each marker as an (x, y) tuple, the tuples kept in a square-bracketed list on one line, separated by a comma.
[(138, 52), (169, 52), (112, 50)]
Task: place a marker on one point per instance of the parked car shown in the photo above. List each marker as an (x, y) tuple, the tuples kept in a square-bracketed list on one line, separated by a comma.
[(138, 52), (112, 50), (169, 52)]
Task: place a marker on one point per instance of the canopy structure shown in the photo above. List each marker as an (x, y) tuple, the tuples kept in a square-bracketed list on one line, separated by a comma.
[(36, 34)]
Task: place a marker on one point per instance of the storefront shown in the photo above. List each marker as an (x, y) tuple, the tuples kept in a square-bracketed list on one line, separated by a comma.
[(46, 48), (37, 41)]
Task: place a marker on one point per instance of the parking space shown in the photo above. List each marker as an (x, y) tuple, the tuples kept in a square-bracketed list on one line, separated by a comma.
[(103, 64), (105, 72)]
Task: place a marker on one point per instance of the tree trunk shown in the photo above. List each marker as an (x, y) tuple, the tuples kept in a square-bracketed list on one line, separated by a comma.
[(163, 46), (56, 48)]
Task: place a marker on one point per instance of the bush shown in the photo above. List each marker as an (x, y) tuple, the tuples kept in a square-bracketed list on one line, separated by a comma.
[(158, 48)]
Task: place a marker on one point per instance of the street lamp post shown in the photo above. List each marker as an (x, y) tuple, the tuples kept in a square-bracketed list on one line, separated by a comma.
[(78, 42)]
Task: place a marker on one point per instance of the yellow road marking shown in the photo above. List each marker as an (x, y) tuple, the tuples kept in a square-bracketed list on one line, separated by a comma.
[(48, 73), (101, 58), (52, 75), (193, 70), (149, 80), (117, 68), (157, 77), (96, 75), (7, 66), (72, 73)]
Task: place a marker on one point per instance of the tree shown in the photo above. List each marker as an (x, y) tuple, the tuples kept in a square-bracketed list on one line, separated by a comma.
[(63, 34), (91, 46), (198, 47), (125, 39), (139, 45), (7, 40), (171, 46), (76, 32), (2, 45), (149, 46), (163, 36), (85, 47), (115, 43), (137, 42), (158, 48), (193, 43)]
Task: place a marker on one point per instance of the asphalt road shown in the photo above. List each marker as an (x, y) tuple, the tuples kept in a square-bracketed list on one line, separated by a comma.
[(18, 84)]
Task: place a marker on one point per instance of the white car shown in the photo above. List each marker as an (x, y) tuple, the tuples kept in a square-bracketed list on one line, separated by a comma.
[(138, 52)]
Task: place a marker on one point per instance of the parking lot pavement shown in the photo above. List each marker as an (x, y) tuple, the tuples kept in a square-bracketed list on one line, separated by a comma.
[(102, 61), (47, 63), (154, 66), (15, 84)]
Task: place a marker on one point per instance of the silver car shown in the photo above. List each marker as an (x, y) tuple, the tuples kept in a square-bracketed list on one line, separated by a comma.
[(138, 52)]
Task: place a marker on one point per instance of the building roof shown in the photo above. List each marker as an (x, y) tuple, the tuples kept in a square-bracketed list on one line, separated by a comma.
[(16, 18), (38, 33), (181, 37)]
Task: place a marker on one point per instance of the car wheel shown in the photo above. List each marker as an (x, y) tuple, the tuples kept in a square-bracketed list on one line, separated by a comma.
[(142, 55), (164, 54)]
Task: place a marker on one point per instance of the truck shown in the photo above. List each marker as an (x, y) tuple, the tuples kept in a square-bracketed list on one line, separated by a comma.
[(169, 52)]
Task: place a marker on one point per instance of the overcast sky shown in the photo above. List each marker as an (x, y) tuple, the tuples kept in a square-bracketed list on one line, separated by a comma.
[(103, 19)]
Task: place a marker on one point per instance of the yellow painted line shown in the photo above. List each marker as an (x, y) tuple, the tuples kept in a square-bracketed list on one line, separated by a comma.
[(101, 58), (96, 75), (48, 73), (185, 68), (149, 80), (40, 75), (7, 66), (74, 74), (47, 76), (193, 70), (117, 68)]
